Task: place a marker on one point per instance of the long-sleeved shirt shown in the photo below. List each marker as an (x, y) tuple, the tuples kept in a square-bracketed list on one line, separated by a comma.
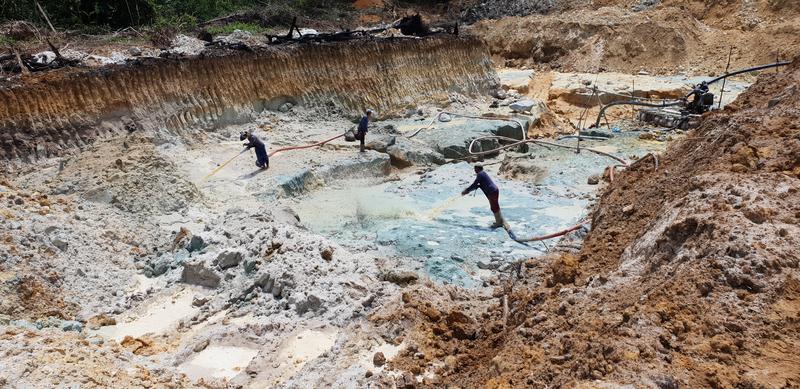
[(363, 124), (253, 141), (485, 183)]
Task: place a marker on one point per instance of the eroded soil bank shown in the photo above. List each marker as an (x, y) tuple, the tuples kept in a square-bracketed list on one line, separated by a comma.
[(56, 113)]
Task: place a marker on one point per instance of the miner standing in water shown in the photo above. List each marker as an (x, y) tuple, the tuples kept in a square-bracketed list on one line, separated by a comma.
[(363, 125), (262, 159), (490, 190)]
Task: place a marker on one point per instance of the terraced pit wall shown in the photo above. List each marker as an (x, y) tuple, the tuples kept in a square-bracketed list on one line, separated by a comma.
[(58, 112)]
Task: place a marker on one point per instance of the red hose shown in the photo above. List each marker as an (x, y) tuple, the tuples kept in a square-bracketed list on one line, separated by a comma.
[(306, 146), (655, 159), (535, 141), (612, 171)]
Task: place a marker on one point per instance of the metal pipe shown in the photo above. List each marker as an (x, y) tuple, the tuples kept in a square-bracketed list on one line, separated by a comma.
[(634, 102)]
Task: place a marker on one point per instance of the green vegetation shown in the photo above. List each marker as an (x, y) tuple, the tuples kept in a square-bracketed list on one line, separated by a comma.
[(115, 14), (4, 41), (231, 27)]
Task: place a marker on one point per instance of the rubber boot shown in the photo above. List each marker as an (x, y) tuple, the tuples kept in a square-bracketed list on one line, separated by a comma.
[(498, 220)]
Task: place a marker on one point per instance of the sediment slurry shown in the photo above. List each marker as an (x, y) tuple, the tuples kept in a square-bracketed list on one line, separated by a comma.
[(57, 112)]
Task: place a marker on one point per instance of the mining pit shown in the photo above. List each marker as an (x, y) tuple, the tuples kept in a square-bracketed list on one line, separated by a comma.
[(142, 246)]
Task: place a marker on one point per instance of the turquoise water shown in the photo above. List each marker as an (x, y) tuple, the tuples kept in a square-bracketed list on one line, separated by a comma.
[(423, 218)]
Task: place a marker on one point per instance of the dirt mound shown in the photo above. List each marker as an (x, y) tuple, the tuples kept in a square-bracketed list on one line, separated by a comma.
[(131, 174), (33, 298), (55, 252), (689, 277), (610, 39)]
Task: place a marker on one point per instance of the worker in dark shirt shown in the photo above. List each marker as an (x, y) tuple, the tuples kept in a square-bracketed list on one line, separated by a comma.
[(262, 159), (489, 189), (363, 126)]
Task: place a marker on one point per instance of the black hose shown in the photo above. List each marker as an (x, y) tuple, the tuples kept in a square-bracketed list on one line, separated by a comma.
[(752, 69)]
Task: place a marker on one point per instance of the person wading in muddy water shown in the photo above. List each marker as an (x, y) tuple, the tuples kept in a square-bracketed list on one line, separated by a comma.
[(488, 187), (363, 125), (262, 159)]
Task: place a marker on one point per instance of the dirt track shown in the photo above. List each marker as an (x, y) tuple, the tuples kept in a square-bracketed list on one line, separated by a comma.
[(689, 277)]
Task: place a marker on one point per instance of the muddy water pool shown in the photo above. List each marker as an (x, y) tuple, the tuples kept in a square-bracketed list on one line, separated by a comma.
[(422, 217)]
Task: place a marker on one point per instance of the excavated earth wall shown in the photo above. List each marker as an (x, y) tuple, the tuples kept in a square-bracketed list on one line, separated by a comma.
[(51, 114)]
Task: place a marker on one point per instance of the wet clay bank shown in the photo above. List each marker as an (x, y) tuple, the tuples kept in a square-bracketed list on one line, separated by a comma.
[(54, 113)]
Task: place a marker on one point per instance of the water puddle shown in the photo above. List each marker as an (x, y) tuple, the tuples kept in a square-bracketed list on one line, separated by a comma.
[(159, 317), (218, 362), (303, 347), (423, 217)]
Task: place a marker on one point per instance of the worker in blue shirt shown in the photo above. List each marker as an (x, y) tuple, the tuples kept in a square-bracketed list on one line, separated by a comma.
[(363, 126), (262, 159), (489, 189)]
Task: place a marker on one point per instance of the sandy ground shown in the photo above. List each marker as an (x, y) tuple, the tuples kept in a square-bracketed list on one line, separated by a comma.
[(107, 246)]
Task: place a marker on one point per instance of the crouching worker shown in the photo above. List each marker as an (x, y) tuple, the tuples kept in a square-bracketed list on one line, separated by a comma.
[(262, 159), (490, 190)]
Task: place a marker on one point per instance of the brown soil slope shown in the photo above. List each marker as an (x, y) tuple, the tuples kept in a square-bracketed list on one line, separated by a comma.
[(689, 277), (676, 36)]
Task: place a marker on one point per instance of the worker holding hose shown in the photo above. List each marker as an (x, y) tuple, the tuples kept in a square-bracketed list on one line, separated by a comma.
[(363, 126), (262, 159), (490, 190)]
